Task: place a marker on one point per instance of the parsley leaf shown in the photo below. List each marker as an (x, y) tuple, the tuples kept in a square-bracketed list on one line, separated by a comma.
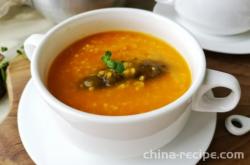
[(19, 52), (117, 66), (4, 49)]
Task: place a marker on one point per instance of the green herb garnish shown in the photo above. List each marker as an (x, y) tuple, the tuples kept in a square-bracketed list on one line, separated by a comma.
[(19, 52), (4, 49), (117, 66)]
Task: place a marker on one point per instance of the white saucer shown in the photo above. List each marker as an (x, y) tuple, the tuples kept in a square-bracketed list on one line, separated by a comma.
[(235, 44), (46, 144)]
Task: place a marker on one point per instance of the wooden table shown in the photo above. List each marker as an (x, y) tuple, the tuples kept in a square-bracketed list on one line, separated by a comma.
[(12, 151)]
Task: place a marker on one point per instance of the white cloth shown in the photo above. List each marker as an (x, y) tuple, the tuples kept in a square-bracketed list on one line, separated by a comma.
[(6, 4)]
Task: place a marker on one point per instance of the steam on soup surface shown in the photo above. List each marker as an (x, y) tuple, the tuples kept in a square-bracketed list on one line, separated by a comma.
[(118, 73)]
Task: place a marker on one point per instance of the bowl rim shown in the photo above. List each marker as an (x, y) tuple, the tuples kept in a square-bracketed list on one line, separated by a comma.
[(62, 107)]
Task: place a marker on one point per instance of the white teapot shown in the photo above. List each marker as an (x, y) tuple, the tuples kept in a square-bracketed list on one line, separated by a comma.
[(221, 17)]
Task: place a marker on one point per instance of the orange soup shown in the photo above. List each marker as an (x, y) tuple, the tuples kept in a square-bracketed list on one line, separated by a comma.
[(75, 67)]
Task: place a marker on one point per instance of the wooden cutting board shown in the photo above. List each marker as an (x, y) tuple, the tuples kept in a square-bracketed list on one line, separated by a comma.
[(12, 151)]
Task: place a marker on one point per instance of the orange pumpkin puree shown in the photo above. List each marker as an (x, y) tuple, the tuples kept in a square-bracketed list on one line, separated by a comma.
[(83, 58)]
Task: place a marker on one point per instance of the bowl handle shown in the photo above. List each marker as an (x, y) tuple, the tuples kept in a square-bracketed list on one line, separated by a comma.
[(205, 102), (31, 43)]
